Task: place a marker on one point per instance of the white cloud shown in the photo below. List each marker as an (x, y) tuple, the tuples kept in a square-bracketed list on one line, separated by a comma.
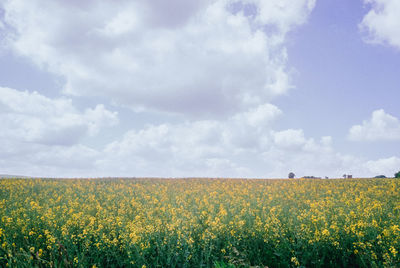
[(206, 147), (386, 166), (215, 149), (284, 14), (242, 146), (34, 118), (21, 158), (40, 136), (382, 22), (232, 148), (192, 57), (380, 127), (289, 138), (259, 115)]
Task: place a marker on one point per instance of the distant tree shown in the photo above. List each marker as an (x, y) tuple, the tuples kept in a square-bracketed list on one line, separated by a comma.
[(380, 177), (291, 175), (397, 175), (344, 176)]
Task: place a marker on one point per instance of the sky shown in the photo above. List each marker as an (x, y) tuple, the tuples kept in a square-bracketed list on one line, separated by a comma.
[(207, 88)]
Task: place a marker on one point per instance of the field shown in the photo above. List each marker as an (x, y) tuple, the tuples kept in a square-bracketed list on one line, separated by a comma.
[(199, 223)]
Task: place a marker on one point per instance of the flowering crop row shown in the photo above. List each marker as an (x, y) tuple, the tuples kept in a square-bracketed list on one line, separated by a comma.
[(199, 223)]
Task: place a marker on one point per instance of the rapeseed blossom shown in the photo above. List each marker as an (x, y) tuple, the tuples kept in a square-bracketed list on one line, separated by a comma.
[(194, 222)]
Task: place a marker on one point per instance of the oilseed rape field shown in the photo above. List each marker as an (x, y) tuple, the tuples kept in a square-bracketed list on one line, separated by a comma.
[(199, 223)]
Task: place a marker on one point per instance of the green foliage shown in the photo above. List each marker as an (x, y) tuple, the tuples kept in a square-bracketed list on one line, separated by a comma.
[(200, 223), (221, 264), (397, 175)]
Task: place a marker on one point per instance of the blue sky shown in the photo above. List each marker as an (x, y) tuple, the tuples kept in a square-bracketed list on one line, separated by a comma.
[(340, 78), (214, 88)]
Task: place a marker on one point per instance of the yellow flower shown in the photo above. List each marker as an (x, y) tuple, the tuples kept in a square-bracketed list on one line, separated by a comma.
[(393, 251), (325, 232), (295, 261)]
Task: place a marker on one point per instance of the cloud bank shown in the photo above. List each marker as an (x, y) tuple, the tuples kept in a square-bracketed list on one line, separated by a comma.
[(44, 136), (209, 58)]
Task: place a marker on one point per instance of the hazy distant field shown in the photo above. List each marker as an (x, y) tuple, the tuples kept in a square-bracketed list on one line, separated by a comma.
[(199, 222)]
